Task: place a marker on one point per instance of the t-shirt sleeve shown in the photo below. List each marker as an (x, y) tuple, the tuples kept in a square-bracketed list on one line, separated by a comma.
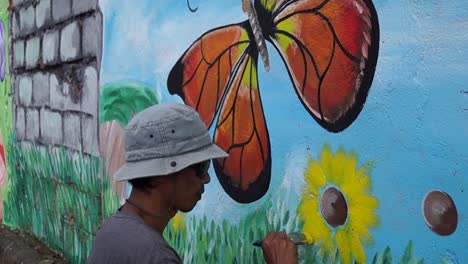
[(164, 253)]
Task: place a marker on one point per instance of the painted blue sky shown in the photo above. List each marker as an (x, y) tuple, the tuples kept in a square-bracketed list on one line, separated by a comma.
[(414, 124)]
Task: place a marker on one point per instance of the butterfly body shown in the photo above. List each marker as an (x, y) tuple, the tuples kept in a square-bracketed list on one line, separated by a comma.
[(330, 50)]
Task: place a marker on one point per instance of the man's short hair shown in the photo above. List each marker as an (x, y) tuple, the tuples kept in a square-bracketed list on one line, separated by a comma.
[(143, 184)]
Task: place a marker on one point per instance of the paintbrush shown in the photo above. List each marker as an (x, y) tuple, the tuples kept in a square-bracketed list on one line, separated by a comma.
[(297, 237)]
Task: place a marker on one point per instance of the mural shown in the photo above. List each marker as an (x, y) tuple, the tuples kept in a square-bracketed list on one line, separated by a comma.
[(119, 102), (386, 187), (341, 131), (336, 205), (50, 165), (330, 50), (5, 101)]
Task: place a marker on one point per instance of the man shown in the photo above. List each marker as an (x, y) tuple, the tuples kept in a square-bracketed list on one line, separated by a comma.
[(167, 151)]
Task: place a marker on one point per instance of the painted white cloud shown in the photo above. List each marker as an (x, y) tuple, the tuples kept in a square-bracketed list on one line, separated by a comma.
[(146, 40), (177, 34)]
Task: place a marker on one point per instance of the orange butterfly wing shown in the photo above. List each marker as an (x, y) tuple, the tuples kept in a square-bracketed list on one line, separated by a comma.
[(330, 48), (217, 71), (201, 75), (241, 130)]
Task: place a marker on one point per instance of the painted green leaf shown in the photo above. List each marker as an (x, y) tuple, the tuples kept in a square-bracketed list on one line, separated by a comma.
[(387, 256), (408, 254), (121, 101), (383, 257)]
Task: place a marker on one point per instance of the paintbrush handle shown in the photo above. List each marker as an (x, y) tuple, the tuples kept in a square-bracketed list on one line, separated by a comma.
[(297, 237), (259, 243)]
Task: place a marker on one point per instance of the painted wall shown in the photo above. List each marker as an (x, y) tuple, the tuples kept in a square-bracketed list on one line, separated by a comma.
[(408, 140), (388, 182), (5, 99), (53, 184)]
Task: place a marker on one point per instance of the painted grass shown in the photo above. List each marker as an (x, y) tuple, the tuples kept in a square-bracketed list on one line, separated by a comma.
[(204, 241), (58, 197), (6, 113)]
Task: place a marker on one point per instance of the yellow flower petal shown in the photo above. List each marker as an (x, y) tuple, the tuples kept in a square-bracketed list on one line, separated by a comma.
[(343, 245), (315, 178), (341, 170), (326, 160), (337, 174), (357, 250), (178, 222), (349, 169)]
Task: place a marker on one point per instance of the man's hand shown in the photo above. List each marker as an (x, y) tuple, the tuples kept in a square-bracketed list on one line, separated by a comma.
[(279, 249)]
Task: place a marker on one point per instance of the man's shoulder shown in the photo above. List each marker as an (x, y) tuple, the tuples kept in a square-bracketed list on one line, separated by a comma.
[(127, 236), (129, 227)]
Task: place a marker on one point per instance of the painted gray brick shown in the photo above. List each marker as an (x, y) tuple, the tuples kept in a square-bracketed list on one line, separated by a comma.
[(32, 124), (43, 13), (69, 104), (14, 21), (17, 2), (25, 90), (32, 52), (61, 9), (20, 123), (60, 95), (14, 90), (41, 89), (50, 47), (72, 130), (51, 127), (90, 92), (92, 36), (56, 95), (18, 54), (27, 19), (89, 128), (70, 42), (82, 6)]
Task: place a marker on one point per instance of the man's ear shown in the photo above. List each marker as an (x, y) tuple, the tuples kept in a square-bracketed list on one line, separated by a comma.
[(163, 180)]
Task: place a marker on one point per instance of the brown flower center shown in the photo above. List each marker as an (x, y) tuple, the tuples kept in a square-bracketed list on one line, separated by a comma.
[(440, 213), (333, 207)]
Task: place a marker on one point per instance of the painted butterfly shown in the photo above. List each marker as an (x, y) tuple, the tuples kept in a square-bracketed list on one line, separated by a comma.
[(330, 48)]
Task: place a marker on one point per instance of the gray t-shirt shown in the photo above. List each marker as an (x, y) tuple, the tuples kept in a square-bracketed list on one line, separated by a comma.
[(125, 238)]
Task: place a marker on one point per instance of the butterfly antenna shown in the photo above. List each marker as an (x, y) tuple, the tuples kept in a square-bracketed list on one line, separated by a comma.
[(248, 8), (193, 10)]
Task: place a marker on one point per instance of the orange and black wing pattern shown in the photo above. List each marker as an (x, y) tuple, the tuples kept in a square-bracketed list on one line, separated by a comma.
[(330, 48), (241, 130), (202, 74)]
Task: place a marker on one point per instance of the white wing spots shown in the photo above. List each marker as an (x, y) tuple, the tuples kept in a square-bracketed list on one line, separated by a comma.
[(358, 6), (366, 39)]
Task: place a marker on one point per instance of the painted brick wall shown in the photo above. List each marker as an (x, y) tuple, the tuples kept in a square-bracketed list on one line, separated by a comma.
[(56, 55)]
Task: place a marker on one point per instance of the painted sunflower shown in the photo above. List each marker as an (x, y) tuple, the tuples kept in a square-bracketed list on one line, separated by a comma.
[(178, 222), (336, 207)]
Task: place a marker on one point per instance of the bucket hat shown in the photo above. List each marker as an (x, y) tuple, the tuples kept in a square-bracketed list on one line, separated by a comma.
[(164, 139)]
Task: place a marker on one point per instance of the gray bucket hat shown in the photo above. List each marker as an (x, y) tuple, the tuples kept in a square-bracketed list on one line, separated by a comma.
[(164, 139)]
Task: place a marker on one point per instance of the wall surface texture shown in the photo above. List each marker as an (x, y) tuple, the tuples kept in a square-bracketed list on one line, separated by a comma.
[(345, 120), (53, 185), (56, 51)]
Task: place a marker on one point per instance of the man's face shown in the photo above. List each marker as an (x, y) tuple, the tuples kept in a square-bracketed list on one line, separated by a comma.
[(189, 186)]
